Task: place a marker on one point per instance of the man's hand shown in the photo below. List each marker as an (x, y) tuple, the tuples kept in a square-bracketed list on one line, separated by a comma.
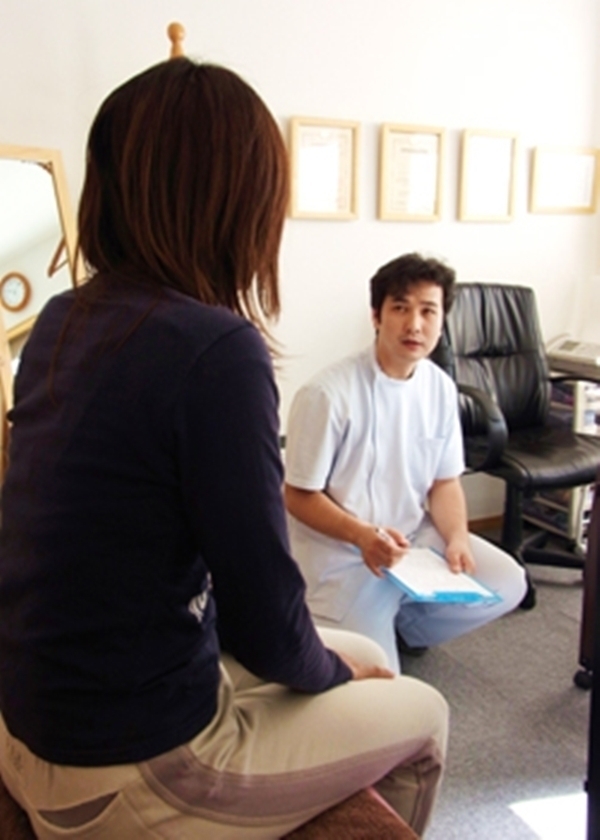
[(381, 547), (459, 557), (448, 511), (378, 546), (361, 671)]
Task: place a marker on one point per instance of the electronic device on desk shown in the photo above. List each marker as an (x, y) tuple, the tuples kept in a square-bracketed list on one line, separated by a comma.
[(581, 358)]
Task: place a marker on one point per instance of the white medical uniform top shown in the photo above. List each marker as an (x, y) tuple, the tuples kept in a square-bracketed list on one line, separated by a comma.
[(376, 445)]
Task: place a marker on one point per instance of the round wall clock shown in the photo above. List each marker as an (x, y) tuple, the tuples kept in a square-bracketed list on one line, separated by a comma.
[(15, 291)]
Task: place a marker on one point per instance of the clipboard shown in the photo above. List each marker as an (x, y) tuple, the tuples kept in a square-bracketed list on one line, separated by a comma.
[(424, 575)]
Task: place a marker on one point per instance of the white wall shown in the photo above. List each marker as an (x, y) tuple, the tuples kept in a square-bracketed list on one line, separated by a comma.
[(525, 65)]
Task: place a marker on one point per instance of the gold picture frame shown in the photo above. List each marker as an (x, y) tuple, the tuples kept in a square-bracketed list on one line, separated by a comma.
[(564, 180), (34, 202), (488, 174), (324, 158), (410, 175)]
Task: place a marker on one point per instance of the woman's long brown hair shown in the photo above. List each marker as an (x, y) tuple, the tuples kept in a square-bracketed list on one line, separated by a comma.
[(186, 186)]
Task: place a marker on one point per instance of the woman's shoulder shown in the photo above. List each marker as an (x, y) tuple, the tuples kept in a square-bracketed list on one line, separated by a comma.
[(156, 326), (191, 317), (207, 332)]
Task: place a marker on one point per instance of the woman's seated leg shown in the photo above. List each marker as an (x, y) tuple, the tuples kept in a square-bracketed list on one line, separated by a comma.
[(270, 760)]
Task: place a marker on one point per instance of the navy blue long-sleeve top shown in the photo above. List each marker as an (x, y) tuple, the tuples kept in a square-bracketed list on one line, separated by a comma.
[(143, 528)]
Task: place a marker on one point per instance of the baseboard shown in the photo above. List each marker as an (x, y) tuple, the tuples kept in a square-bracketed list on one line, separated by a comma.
[(486, 523)]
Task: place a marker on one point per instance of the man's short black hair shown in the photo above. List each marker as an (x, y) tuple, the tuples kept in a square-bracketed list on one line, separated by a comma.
[(395, 278)]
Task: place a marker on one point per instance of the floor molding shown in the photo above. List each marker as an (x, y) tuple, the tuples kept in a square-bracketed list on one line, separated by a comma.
[(486, 523)]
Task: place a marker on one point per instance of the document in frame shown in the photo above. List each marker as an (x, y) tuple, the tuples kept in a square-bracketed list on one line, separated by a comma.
[(424, 575)]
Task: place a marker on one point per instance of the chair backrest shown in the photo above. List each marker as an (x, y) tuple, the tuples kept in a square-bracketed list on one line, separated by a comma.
[(492, 341)]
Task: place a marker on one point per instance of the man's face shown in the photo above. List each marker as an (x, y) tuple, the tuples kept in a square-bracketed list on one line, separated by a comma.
[(409, 327)]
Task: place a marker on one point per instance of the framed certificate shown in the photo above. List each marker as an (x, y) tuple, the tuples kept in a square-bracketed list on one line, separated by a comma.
[(487, 176), (564, 180), (410, 182), (324, 162)]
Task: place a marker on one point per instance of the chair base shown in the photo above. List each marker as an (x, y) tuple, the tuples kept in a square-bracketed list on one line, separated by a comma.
[(532, 547), (530, 598), (534, 550), (584, 679)]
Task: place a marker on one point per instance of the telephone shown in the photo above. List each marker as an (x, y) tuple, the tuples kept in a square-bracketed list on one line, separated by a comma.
[(567, 349)]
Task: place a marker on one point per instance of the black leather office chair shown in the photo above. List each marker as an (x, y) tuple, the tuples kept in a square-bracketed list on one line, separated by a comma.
[(492, 347)]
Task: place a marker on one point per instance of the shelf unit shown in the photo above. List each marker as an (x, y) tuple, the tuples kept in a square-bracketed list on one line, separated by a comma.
[(566, 512)]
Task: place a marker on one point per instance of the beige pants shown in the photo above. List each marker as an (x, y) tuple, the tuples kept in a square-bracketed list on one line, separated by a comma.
[(269, 760)]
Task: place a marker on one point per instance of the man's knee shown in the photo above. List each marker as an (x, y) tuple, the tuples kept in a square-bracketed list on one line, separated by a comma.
[(360, 647)]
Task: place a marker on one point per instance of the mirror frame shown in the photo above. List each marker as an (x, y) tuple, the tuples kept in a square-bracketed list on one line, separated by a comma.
[(51, 161)]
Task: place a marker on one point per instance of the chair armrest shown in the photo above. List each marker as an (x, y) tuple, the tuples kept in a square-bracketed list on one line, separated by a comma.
[(496, 430)]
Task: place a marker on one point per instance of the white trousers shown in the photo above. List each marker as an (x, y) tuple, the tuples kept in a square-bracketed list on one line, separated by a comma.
[(270, 760), (381, 608)]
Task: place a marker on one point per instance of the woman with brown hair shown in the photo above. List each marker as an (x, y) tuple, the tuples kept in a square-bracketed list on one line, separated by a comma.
[(160, 675)]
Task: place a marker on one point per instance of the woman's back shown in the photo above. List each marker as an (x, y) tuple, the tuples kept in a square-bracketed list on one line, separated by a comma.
[(111, 509)]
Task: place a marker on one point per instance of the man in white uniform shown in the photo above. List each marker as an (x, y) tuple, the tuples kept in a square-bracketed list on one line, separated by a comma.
[(374, 456)]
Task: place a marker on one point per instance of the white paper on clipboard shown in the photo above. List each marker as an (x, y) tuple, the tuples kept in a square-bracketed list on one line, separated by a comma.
[(425, 576)]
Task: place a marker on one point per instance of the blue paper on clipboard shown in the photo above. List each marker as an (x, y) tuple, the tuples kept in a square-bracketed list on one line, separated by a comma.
[(424, 575)]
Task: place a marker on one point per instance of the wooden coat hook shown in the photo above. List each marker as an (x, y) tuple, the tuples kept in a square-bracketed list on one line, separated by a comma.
[(176, 34)]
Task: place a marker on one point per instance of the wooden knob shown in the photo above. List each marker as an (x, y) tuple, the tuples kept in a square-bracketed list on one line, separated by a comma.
[(176, 34)]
